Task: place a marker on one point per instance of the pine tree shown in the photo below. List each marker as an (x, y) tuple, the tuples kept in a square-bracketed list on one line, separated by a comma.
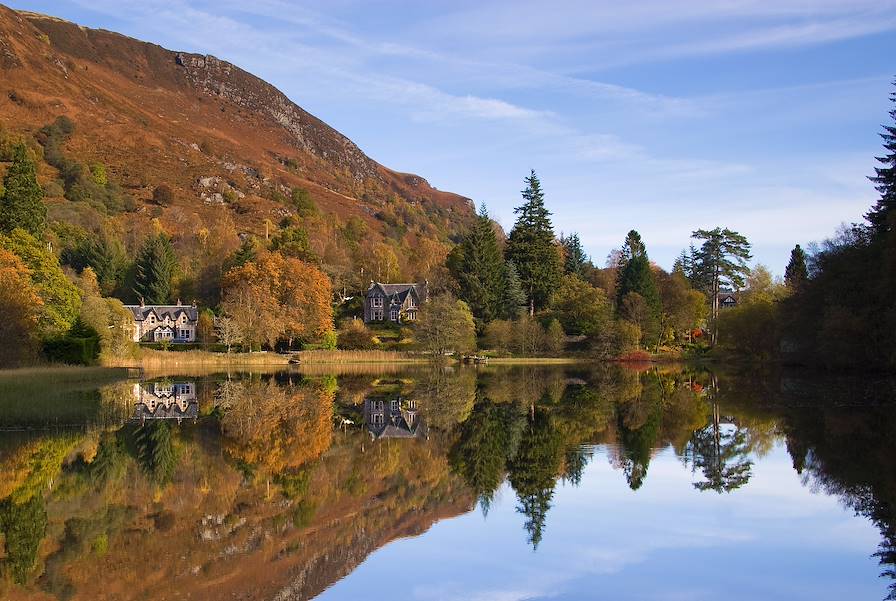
[(478, 267), (881, 215), (720, 261), (636, 276), (797, 273), (155, 271), (513, 298), (21, 204), (574, 259), (531, 246)]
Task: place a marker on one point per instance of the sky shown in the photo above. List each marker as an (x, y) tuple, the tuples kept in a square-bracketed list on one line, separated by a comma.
[(660, 115)]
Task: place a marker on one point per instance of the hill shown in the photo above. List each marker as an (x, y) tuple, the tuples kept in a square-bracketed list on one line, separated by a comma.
[(240, 158)]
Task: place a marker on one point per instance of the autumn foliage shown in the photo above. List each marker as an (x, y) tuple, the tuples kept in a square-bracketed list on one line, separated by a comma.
[(274, 297)]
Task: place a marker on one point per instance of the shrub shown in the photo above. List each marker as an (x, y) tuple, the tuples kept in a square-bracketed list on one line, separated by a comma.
[(355, 335), (162, 195)]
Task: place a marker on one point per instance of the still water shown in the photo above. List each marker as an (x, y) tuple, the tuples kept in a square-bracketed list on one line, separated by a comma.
[(460, 484)]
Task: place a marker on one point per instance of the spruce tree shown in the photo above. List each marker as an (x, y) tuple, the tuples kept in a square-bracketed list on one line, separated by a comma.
[(478, 267), (531, 246), (636, 276), (513, 298), (22, 202), (881, 215), (797, 273), (574, 259), (155, 270)]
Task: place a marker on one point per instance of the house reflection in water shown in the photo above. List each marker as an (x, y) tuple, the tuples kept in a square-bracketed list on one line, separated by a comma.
[(395, 418), (165, 400)]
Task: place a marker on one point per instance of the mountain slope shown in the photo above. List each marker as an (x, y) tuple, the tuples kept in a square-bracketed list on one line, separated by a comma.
[(202, 126)]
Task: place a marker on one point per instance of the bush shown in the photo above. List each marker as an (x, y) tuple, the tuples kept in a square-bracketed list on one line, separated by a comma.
[(73, 350), (499, 335), (162, 195), (355, 335)]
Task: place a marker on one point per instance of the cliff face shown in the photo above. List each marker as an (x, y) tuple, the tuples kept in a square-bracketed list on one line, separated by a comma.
[(154, 116)]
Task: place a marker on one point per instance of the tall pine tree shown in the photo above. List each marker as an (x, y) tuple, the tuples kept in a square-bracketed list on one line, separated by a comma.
[(21, 204), (574, 257), (882, 214), (797, 273), (720, 261), (478, 267), (155, 270), (531, 247)]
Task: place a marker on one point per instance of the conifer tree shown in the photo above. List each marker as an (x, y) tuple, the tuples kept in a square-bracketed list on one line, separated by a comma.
[(21, 204), (881, 215), (797, 273), (720, 261), (636, 276), (531, 246), (574, 259), (513, 298), (478, 267), (155, 270)]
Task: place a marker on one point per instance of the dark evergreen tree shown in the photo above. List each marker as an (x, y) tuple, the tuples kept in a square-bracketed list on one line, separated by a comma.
[(24, 525), (531, 247), (477, 266), (155, 270), (513, 298), (797, 273), (720, 261), (247, 252), (881, 215), (636, 276), (22, 200), (574, 258)]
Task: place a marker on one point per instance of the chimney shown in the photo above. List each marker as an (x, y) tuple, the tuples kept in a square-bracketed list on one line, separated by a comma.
[(179, 304), (141, 302), (194, 303)]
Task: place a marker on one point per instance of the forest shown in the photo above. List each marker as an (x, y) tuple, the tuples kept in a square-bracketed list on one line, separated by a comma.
[(530, 292)]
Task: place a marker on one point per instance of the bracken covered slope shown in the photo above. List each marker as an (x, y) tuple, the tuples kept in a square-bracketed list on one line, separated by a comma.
[(197, 124)]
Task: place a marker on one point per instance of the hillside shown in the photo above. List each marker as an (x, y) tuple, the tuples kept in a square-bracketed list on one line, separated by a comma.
[(231, 147)]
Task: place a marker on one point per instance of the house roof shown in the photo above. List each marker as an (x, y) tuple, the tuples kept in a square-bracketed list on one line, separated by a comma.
[(142, 312), (398, 292), (172, 411)]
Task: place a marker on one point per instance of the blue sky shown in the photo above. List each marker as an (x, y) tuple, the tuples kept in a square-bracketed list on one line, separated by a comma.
[(660, 115)]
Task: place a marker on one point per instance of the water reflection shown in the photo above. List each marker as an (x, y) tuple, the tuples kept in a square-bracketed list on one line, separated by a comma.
[(271, 485)]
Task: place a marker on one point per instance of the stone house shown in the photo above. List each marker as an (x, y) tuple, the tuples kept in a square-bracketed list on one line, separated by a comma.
[(165, 400), (393, 418), (394, 303), (160, 323)]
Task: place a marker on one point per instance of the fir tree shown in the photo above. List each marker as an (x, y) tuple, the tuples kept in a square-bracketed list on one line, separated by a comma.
[(155, 270), (636, 276), (797, 273), (531, 246), (479, 269), (720, 261), (574, 257), (881, 215), (21, 204), (513, 298)]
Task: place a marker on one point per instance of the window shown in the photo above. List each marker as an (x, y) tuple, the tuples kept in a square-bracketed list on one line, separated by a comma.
[(181, 333), (376, 301), (411, 316), (377, 418), (394, 405), (393, 315), (378, 315)]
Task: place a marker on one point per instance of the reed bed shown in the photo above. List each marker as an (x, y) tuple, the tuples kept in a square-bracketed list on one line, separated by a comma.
[(336, 357), (153, 359)]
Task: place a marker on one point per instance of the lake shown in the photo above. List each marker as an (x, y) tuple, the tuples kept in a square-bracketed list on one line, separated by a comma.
[(464, 483)]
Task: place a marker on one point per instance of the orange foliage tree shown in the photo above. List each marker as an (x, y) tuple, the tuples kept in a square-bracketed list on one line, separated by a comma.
[(275, 297), (20, 306)]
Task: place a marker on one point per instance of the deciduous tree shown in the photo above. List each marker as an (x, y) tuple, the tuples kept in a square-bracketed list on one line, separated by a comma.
[(446, 325)]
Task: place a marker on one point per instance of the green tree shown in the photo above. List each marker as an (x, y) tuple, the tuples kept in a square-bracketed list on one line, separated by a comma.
[(575, 260), (22, 202), (531, 247), (61, 300), (513, 298), (720, 261), (24, 525), (880, 216), (796, 273), (580, 307), (445, 324), (479, 269), (636, 276), (155, 270)]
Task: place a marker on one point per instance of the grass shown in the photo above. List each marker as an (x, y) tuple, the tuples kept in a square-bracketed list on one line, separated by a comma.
[(153, 359), (372, 356), (537, 360)]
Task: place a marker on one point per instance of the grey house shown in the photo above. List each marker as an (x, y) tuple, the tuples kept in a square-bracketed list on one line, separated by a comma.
[(394, 303), (393, 418), (159, 323)]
